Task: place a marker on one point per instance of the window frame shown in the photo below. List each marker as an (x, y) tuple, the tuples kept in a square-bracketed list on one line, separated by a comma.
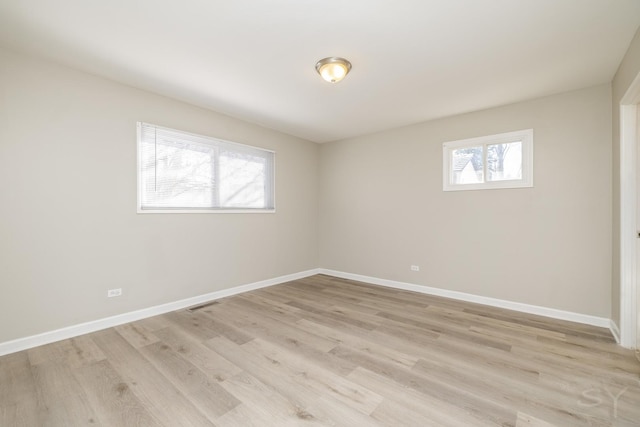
[(216, 144), (524, 136)]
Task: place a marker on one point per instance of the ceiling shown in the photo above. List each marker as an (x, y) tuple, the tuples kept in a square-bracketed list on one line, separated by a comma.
[(413, 60)]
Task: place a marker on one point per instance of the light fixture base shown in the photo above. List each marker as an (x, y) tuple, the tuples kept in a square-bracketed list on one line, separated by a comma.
[(333, 69)]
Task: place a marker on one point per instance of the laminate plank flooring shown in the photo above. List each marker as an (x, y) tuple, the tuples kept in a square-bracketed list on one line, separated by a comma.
[(323, 351)]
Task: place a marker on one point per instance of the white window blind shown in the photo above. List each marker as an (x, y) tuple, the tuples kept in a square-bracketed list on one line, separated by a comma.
[(179, 171)]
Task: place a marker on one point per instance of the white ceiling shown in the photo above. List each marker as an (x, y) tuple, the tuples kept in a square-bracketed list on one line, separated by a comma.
[(413, 60)]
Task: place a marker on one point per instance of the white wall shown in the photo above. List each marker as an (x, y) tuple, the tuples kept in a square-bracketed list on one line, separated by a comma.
[(382, 207), (68, 224), (627, 71)]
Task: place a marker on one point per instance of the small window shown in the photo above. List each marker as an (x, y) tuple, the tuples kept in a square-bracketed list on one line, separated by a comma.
[(489, 162), (180, 172)]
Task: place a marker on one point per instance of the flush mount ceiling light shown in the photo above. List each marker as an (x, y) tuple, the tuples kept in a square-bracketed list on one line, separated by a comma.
[(333, 69)]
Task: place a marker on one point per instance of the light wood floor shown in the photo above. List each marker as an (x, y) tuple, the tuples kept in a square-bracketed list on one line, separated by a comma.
[(327, 352)]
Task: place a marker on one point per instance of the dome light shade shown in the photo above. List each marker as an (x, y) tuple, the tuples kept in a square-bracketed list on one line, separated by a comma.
[(333, 69)]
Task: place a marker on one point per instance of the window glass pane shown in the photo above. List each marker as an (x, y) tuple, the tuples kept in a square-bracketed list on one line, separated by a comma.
[(489, 162), (242, 180), (176, 173), (504, 161), (466, 165)]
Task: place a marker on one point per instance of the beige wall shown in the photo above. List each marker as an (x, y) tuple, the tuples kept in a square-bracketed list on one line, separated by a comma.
[(68, 224), (382, 207), (69, 229), (627, 71)]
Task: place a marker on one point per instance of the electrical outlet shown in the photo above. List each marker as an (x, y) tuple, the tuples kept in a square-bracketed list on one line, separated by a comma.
[(415, 268), (114, 293)]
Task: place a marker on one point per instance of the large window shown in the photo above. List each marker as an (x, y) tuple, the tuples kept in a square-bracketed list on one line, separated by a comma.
[(182, 172), (489, 162)]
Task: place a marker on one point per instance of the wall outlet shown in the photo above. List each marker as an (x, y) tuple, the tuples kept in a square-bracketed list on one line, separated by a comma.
[(114, 293), (415, 268)]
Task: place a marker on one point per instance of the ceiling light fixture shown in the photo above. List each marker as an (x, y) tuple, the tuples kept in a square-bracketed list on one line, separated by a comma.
[(333, 69)]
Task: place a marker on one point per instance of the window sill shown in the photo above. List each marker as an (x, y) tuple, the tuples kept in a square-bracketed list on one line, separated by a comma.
[(206, 211)]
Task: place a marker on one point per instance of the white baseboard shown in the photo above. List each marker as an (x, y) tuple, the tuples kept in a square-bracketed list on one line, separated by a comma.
[(615, 330), (108, 322), (510, 305)]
